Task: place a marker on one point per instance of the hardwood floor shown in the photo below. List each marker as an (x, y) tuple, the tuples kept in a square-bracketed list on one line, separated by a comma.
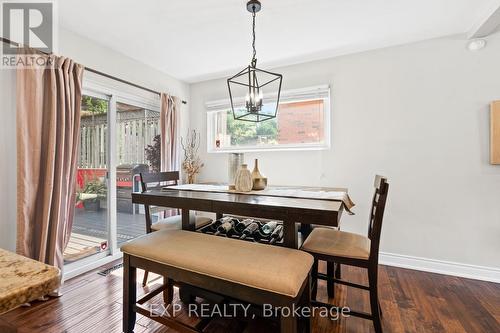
[(411, 302)]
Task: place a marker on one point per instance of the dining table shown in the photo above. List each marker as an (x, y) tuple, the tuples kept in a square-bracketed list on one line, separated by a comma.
[(293, 205)]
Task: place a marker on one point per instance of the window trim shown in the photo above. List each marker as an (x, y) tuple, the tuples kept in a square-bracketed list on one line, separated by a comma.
[(124, 94), (288, 96)]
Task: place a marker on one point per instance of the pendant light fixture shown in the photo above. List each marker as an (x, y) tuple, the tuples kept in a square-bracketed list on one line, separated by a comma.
[(255, 84)]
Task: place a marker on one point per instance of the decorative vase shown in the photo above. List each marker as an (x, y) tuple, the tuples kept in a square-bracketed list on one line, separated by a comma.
[(191, 178), (243, 181), (256, 172), (259, 182), (234, 162)]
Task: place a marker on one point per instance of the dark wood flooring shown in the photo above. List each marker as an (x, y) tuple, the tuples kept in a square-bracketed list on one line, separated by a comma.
[(411, 301)]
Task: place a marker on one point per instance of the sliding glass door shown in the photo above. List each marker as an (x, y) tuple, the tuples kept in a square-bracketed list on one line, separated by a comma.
[(137, 150), (119, 138), (90, 234)]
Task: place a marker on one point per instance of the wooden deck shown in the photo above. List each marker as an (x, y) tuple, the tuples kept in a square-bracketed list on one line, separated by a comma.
[(90, 230), (411, 301), (81, 246)]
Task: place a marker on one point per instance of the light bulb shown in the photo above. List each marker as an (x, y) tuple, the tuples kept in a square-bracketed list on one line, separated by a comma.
[(476, 44)]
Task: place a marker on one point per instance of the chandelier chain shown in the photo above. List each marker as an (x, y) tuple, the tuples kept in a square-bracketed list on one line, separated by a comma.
[(253, 35)]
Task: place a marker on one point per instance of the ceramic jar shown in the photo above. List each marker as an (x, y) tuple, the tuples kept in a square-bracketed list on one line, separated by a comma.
[(235, 160), (243, 180)]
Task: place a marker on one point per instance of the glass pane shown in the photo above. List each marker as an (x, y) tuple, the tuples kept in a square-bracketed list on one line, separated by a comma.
[(89, 234), (301, 122), (138, 150), (297, 123)]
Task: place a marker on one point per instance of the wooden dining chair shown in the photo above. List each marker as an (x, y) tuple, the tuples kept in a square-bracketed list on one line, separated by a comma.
[(346, 248), (159, 180), (332, 269)]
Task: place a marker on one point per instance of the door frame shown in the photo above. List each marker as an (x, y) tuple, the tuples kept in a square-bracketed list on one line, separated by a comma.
[(113, 92)]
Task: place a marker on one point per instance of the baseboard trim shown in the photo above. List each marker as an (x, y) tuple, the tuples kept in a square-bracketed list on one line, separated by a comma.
[(482, 273), (85, 267)]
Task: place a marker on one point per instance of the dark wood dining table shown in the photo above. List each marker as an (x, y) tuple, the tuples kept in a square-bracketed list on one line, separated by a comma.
[(289, 210)]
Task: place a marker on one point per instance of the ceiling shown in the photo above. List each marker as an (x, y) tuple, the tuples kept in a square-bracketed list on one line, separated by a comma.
[(199, 40)]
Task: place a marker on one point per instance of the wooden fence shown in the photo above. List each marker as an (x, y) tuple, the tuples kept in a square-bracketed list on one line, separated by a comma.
[(132, 137)]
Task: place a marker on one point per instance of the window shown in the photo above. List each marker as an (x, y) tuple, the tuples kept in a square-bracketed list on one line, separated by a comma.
[(302, 122)]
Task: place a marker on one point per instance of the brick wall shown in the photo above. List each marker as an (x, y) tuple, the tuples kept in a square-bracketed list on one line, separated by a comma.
[(300, 122)]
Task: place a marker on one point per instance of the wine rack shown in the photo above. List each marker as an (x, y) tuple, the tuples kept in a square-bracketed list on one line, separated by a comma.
[(256, 236)]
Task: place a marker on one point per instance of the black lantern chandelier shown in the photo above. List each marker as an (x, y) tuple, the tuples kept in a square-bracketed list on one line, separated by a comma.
[(254, 83)]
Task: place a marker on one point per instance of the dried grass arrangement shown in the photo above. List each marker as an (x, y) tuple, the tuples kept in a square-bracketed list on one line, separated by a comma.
[(192, 163)]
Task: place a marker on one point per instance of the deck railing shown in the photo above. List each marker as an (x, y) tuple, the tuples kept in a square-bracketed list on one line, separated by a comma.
[(133, 134)]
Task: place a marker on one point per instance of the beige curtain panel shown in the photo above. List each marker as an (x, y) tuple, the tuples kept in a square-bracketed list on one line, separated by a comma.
[(48, 125), (169, 117), (169, 127)]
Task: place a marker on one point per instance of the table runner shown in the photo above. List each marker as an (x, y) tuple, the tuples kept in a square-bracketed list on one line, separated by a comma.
[(286, 192)]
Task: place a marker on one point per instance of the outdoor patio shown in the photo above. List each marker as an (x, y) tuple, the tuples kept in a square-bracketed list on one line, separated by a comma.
[(90, 231)]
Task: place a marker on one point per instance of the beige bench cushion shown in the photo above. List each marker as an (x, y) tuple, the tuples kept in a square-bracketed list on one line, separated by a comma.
[(175, 222), (271, 268), (23, 280), (332, 242)]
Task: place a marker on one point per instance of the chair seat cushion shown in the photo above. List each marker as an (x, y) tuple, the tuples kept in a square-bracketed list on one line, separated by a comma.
[(175, 222), (337, 243), (323, 226), (275, 269)]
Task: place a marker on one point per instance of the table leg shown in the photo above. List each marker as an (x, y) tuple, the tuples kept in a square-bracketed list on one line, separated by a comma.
[(187, 224), (290, 235), (305, 230), (185, 293)]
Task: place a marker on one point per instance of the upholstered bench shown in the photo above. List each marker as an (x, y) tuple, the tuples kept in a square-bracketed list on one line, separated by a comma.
[(248, 272)]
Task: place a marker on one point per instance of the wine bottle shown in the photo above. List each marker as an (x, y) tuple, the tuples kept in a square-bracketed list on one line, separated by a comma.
[(249, 230), (258, 235), (269, 227), (225, 219), (232, 231), (277, 234), (225, 227), (213, 226), (242, 225)]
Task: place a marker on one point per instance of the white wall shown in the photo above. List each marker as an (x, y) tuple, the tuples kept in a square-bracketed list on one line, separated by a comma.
[(416, 113), (88, 54), (101, 58)]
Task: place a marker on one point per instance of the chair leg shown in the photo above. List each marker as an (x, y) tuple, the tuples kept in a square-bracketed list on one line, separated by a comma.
[(330, 285), (338, 272), (145, 279), (374, 303), (305, 302), (129, 295), (168, 293), (314, 278)]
